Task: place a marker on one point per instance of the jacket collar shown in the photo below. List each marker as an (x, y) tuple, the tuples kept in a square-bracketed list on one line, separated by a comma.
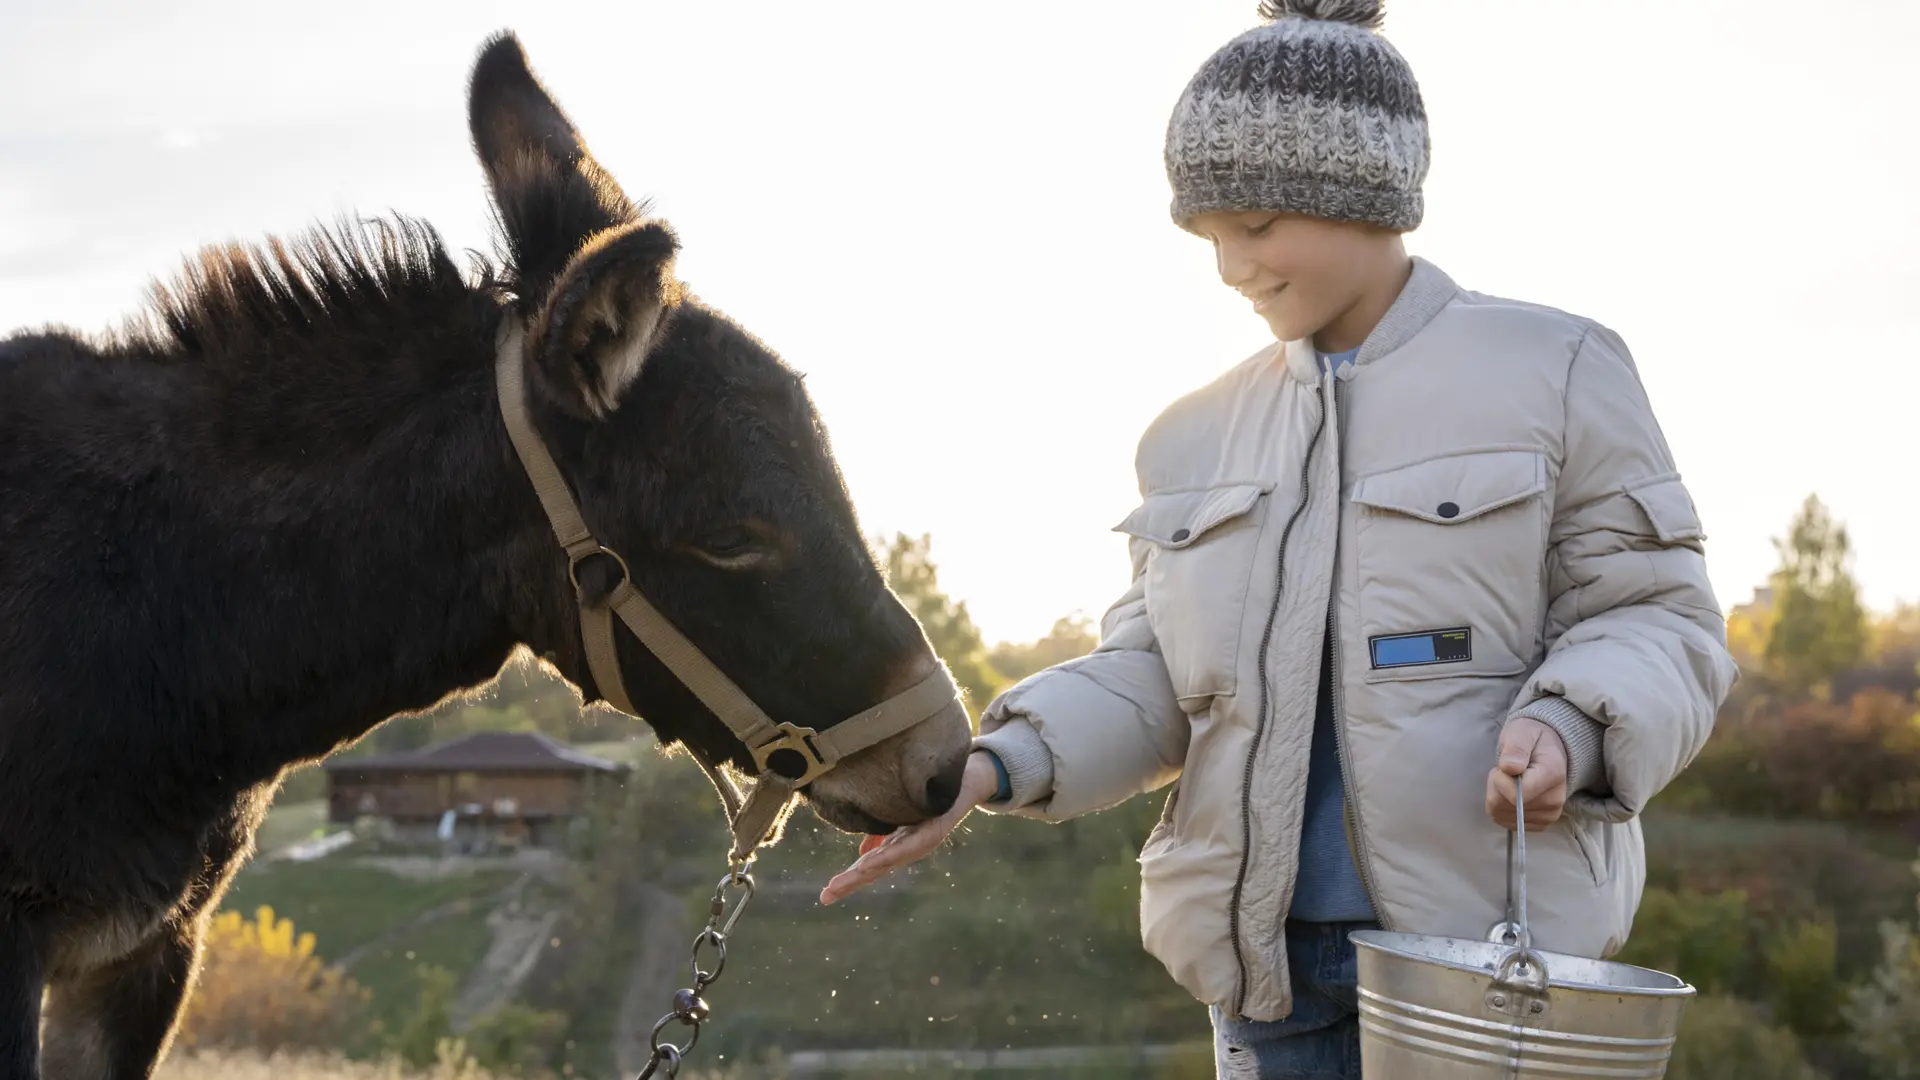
[(1427, 291)]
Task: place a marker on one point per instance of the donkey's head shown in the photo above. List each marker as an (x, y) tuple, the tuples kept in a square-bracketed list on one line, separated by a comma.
[(694, 452)]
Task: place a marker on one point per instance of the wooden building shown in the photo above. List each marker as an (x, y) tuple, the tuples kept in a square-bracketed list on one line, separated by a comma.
[(485, 790)]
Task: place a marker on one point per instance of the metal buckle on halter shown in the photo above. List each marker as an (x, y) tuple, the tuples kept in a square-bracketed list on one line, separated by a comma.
[(574, 561), (795, 741)]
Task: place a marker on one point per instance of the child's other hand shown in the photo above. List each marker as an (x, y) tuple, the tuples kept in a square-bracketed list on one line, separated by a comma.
[(1529, 746)]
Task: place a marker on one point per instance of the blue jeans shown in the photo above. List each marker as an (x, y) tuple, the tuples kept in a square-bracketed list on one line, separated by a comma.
[(1321, 1039)]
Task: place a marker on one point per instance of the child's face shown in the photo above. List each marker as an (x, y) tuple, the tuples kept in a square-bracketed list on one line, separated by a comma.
[(1301, 273)]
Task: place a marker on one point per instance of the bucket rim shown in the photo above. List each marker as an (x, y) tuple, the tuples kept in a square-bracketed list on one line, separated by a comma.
[(1381, 941)]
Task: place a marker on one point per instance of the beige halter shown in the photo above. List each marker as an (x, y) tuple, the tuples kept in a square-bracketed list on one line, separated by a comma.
[(804, 753)]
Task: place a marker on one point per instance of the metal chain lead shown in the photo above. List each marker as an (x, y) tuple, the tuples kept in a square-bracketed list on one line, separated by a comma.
[(688, 1006)]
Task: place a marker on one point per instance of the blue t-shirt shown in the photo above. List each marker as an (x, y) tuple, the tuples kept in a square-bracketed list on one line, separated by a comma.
[(1328, 888)]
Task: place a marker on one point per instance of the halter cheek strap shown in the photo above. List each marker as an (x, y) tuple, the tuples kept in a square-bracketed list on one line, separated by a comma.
[(786, 756)]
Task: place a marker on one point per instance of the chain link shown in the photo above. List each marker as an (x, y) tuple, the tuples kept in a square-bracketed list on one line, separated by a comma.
[(689, 1008)]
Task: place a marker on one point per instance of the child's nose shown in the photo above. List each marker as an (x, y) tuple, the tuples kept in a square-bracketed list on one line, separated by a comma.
[(1232, 263)]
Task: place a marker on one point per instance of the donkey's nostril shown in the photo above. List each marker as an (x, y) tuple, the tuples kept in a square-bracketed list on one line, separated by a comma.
[(943, 788)]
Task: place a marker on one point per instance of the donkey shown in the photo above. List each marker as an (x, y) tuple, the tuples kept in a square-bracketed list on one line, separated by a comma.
[(281, 506)]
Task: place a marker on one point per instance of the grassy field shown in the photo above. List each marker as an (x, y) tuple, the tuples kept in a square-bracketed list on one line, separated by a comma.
[(455, 942), (349, 907), (290, 823), (1017, 935)]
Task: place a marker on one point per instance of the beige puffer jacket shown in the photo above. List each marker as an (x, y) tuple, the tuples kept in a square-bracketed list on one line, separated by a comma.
[(1485, 508)]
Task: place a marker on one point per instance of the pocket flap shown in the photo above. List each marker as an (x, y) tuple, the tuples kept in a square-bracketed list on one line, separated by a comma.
[(1670, 508), (1176, 519), (1456, 488)]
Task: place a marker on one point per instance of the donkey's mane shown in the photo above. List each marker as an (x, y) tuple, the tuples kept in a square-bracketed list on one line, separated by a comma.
[(236, 302)]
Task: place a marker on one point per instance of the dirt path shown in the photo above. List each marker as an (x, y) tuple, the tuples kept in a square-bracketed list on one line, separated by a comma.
[(520, 935), (658, 970)]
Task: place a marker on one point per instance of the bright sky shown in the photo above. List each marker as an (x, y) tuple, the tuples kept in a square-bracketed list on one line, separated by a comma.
[(953, 218)]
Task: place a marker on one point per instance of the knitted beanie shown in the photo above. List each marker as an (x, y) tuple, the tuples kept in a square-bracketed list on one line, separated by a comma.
[(1313, 113)]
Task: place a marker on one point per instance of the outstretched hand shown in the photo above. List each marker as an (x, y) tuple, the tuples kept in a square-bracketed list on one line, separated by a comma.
[(882, 855), (1529, 747)]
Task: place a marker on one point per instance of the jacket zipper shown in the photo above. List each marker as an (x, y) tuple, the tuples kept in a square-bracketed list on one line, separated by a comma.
[(1357, 832), (1266, 702)]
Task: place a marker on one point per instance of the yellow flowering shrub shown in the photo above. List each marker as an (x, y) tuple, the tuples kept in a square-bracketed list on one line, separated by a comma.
[(261, 986)]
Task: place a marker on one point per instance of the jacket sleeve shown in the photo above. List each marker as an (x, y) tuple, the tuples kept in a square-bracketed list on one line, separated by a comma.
[(1096, 730), (1637, 664)]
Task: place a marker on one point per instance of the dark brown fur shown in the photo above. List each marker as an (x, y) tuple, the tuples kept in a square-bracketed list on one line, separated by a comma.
[(283, 508)]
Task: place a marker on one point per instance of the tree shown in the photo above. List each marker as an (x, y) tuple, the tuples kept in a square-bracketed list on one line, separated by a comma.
[(527, 695), (1747, 630), (1896, 637), (1857, 760), (1819, 628), (914, 578), (1070, 637)]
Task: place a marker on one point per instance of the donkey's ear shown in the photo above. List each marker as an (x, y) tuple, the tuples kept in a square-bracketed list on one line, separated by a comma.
[(551, 194), (606, 313)]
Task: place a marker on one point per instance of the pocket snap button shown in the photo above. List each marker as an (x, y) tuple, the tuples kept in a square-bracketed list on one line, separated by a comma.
[(1448, 510), (1181, 534)]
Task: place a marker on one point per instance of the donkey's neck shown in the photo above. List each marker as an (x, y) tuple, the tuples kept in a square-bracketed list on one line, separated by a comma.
[(384, 573)]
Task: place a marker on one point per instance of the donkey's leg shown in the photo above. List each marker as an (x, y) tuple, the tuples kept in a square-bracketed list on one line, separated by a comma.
[(20, 987), (114, 1022)]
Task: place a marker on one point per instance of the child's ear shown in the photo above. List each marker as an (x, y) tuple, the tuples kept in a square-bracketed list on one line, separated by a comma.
[(606, 312)]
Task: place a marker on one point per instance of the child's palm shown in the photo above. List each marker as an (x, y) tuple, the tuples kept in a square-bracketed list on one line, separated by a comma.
[(882, 855)]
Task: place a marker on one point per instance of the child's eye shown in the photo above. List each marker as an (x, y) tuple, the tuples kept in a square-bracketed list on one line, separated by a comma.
[(1261, 229)]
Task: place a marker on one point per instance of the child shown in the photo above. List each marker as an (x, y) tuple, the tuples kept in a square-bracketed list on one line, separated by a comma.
[(1427, 541)]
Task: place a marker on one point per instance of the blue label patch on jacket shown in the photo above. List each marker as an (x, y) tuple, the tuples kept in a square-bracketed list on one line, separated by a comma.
[(1450, 646)]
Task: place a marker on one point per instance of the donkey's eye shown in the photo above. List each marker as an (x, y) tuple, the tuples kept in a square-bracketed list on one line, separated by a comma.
[(731, 543), (752, 546)]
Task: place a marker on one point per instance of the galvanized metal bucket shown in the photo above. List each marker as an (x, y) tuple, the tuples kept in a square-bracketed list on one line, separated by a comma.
[(1444, 1008)]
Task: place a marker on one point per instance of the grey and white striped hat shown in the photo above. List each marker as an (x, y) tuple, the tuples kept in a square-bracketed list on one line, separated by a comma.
[(1312, 112)]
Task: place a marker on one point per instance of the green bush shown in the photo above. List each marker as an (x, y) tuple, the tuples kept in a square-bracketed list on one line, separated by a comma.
[(1703, 938), (1803, 978), (1722, 1038), (1788, 871), (517, 1039), (417, 1036)]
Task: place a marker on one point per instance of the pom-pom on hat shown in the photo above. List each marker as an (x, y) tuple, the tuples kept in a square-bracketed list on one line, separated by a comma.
[(1312, 112)]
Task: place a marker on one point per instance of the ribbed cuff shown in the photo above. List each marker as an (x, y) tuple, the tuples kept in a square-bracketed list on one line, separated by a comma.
[(1025, 756), (1584, 736)]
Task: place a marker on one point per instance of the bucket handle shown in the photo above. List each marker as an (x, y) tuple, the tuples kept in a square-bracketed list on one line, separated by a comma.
[(1517, 869), (1519, 985)]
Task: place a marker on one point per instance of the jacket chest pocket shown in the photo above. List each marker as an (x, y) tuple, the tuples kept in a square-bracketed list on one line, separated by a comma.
[(1450, 565), (1200, 547)]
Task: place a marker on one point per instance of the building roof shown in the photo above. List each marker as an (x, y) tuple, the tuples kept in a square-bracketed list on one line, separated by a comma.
[(484, 751)]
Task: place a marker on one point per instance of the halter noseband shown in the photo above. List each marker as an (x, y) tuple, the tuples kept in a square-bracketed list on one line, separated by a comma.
[(785, 755)]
